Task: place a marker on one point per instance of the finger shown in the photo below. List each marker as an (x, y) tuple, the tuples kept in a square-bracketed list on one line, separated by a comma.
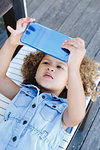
[(80, 40), (69, 47), (21, 21), (28, 19), (10, 29), (75, 42), (71, 43), (24, 26)]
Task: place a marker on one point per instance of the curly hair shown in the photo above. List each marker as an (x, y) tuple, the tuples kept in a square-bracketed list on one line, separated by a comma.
[(88, 71)]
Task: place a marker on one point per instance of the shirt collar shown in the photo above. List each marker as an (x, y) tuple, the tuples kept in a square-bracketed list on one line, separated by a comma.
[(32, 88), (64, 100), (36, 91)]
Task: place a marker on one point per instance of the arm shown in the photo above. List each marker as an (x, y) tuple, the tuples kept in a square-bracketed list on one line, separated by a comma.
[(76, 97), (7, 87)]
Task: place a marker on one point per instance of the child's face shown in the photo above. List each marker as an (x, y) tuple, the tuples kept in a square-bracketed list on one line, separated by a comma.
[(52, 75)]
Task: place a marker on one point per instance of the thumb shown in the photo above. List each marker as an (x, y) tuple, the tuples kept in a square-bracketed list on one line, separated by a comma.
[(10, 29)]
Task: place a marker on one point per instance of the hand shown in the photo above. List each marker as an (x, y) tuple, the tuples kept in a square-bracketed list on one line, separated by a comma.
[(20, 28), (77, 50)]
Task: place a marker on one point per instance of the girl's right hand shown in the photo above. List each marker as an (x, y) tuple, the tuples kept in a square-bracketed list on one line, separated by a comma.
[(76, 46), (20, 28)]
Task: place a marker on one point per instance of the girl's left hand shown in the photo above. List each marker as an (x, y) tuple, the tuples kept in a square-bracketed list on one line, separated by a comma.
[(77, 50)]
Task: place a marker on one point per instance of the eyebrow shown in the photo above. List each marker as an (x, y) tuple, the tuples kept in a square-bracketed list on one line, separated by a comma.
[(60, 63), (46, 59)]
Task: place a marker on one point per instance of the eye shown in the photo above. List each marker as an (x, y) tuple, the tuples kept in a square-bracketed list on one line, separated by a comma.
[(46, 63), (59, 67)]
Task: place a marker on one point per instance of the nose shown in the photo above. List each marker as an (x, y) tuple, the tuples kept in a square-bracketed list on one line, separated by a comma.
[(51, 69)]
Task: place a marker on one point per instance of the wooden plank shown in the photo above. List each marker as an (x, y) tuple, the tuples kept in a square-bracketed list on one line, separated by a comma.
[(19, 10), (87, 24), (28, 2), (80, 136), (72, 19), (5, 6), (42, 9), (32, 5), (97, 56), (92, 21), (94, 46), (57, 13), (94, 135)]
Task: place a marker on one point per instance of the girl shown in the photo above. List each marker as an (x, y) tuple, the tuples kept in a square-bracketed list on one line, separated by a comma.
[(37, 116)]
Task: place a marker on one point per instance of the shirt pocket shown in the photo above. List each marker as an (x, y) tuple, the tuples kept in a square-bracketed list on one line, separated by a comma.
[(23, 99), (49, 112)]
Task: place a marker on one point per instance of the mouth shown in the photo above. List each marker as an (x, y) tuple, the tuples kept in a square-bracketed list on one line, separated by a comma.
[(48, 75)]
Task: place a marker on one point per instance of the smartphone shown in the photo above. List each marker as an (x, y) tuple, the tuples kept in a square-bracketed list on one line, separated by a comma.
[(46, 40)]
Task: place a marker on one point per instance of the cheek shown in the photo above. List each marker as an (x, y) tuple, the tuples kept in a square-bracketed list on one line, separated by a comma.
[(63, 78), (38, 73)]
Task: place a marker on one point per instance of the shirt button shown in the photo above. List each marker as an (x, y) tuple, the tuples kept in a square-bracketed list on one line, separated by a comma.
[(54, 106), (14, 138), (55, 97), (24, 122), (43, 96), (34, 105)]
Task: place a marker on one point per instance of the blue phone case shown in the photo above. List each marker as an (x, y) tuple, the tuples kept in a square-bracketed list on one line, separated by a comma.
[(46, 40)]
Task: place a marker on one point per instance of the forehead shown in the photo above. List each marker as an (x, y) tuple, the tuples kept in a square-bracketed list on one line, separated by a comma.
[(52, 59)]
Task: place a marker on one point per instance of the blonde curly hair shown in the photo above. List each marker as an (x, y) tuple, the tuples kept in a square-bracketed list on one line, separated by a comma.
[(88, 71)]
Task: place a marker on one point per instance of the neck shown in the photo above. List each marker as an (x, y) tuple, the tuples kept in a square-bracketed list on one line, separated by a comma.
[(44, 90)]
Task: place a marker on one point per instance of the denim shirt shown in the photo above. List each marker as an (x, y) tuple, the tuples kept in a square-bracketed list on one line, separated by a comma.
[(33, 121)]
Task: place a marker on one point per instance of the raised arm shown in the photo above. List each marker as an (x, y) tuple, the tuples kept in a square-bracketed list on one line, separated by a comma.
[(76, 97), (7, 87)]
